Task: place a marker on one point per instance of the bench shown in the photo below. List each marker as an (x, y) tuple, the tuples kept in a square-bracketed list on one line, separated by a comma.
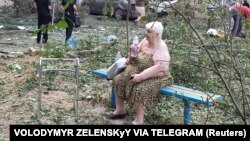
[(183, 93)]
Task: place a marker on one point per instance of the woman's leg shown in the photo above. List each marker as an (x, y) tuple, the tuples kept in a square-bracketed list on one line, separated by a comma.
[(120, 106), (138, 20), (140, 111)]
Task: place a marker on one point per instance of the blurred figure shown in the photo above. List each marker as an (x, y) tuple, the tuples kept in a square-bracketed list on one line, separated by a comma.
[(239, 13), (43, 8), (69, 16), (245, 3), (140, 8)]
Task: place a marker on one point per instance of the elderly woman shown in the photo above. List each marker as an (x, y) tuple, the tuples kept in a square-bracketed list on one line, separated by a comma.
[(145, 74)]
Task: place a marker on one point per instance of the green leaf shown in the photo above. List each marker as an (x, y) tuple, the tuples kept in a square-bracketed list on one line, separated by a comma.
[(62, 24), (43, 28), (68, 3), (247, 24), (143, 18), (51, 27), (35, 32)]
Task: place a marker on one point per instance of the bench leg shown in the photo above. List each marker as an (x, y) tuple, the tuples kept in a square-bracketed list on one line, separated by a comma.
[(113, 98), (187, 115)]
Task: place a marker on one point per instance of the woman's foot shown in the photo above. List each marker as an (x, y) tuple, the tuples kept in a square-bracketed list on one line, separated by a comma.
[(137, 123)]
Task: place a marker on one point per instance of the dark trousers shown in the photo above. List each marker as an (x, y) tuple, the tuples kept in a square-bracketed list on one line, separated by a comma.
[(43, 20), (237, 27), (70, 21)]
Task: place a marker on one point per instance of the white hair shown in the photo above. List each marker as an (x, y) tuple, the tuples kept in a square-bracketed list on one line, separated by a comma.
[(155, 26)]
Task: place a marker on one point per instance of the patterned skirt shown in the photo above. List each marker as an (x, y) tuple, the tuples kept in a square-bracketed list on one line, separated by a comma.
[(147, 92)]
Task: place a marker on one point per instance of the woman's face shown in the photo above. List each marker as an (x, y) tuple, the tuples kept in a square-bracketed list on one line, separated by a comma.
[(150, 34)]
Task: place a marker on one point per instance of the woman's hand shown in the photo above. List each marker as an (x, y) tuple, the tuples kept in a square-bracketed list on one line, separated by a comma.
[(134, 48), (127, 62), (136, 78)]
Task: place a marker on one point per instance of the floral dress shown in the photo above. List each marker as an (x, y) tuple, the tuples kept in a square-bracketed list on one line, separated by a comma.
[(147, 92)]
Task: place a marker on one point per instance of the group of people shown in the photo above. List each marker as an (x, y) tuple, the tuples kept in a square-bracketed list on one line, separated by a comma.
[(44, 9)]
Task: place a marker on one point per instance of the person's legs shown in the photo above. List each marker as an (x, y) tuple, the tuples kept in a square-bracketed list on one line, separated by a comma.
[(45, 35), (140, 111), (238, 33), (69, 29), (138, 20), (237, 27), (141, 12), (68, 32), (39, 24), (46, 21)]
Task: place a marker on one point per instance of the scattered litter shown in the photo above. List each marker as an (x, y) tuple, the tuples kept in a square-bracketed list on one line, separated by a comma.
[(89, 97), (102, 29), (72, 42), (215, 33), (77, 31), (21, 27), (109, 38), (15, 54), (17, 66), (212, 32), (1, 26), (31, 29), (220, 34)]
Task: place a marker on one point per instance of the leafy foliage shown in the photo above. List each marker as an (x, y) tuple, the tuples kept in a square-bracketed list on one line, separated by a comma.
[(53, 51)]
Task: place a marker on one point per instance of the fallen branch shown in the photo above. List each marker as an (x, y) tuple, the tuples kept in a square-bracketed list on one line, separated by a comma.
[(13, 32)]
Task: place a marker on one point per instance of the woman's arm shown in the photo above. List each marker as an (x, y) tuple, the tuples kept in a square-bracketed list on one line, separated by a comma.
[(62, 8), (75, 8), (161, 65), (49, 7), (158, 69)]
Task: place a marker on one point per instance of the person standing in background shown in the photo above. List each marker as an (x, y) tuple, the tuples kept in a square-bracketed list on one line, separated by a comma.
[(239, 13), (69, 16), (245, 3), (140, 8), (43, 8)]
